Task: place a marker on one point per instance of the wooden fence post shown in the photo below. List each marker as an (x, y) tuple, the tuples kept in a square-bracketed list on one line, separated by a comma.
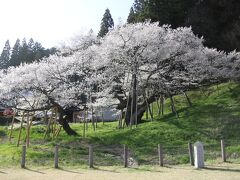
[(223, 150), (10, 136), (56, 157), (23, 160), (190, 152), (90, 156), (125, 149), (160, 154)]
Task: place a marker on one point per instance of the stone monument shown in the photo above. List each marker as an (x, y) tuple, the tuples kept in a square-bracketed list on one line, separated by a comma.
[(198, 155)]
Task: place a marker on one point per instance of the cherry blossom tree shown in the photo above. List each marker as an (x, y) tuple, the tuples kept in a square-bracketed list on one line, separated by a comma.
[(127, 69), (144, 57), (56, 81)]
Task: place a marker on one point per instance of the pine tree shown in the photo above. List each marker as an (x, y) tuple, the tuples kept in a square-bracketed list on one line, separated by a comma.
[(15, 58), (173, 12), (5, 56), (39, 51), (30, 54), (23, 53), (106, 24), (218, 22), (131, 16)]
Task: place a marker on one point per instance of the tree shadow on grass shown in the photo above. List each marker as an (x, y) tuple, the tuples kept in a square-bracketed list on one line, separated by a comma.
[(36, 171), (221, 169), (66, 170), (101, 169), (144, 169)]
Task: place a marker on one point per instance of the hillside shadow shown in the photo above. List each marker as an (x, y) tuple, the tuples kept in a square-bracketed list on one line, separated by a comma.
[(197, 116)]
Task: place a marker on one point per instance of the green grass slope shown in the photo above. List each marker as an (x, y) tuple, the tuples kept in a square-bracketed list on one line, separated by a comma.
[(215, 114)]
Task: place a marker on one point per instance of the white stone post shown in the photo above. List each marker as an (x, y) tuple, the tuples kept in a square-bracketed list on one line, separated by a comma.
[(199, 155)]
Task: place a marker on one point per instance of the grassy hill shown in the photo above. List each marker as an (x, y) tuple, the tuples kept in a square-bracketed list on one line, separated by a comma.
[(215, 114)]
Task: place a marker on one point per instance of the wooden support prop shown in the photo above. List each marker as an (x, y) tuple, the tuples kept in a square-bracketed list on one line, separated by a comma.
[(20, 130), (148, 108), (45, 116), (52, 121), (90, 156), (121, 120), (27, 130), (55, 156), (158, 107), (147, 113), (54, 129), (58, 131), (160, 154), (125, 150), (173, 108), (131, 115), (102, 115), (190, 152), (128, 101), (86, 120), (23, 160), (223, 151), (11, 130), (189, 103), (152, 107), (84, 124), (31, 119), (93, 124), (162, 104), (96, 123), (48, 127), (136, 109)]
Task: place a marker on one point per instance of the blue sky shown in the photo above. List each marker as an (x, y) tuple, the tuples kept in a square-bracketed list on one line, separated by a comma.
[(53, 21)]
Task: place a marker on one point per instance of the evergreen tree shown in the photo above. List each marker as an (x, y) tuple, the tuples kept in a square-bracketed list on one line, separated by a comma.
[(31, 53), (218, 22), (173, 12), (39, 51), (28, 52), (23, 54), (15, 58), (131, 16), (106, 24), (5, 56)]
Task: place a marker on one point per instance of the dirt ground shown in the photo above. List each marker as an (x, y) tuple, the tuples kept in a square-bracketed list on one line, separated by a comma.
[(225, 171)]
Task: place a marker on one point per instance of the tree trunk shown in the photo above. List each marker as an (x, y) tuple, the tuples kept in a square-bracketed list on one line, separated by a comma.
[(128, 112), (64, 123), (173, 106), (140, 110), (69, 114), (188, 100), (134, 100)]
